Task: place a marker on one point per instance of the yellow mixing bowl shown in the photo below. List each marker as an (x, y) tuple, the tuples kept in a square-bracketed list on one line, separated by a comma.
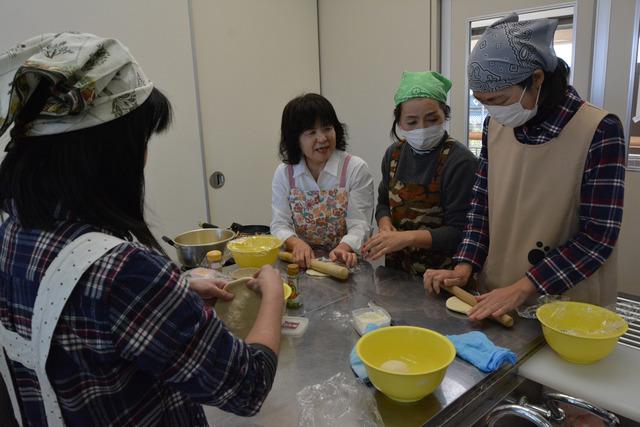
[(255, 251), (415, 360), (580, 333)]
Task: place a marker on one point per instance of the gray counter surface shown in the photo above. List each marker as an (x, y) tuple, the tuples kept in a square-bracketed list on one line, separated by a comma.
[(324, 349)]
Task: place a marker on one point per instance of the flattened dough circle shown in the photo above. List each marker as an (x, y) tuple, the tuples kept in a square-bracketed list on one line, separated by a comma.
[(244, 272), (457, 305), (314, 273)]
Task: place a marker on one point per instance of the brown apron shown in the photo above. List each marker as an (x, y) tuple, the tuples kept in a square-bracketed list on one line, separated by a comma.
[(534, 204), (417, 207)]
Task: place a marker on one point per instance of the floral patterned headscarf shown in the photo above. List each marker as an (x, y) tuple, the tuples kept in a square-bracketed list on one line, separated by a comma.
[(91, 80)]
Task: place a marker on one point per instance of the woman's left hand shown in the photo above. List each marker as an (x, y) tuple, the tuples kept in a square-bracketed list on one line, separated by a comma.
[(344, 253), (385, 242), (503, 300), (210, 290)]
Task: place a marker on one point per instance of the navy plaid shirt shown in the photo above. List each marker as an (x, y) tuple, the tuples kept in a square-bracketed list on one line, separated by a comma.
[(133, 345), (601, 200)]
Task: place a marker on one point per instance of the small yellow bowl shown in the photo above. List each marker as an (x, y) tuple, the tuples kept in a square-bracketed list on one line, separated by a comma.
[(287, 291), (580, 333), (406, 363), (255, 251)]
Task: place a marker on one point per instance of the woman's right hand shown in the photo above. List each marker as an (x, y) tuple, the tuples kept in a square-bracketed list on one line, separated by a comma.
[(302, 252), (268, 283), (266, 329), (434, 280)]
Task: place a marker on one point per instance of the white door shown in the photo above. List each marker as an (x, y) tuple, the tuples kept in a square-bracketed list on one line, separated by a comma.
[(465, 20), (252, 56)]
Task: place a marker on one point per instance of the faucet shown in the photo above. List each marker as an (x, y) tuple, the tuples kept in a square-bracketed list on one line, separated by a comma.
[(551, 400), (519, 411), (544, 416)]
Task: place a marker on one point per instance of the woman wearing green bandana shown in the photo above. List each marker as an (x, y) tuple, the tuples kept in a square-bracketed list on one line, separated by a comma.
[(426, 180)]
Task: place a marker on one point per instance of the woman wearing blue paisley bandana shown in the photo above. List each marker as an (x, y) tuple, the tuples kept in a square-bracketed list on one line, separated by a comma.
[(547, 202)]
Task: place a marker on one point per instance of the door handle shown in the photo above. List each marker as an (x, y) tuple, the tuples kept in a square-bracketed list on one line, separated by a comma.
[(217, 179)]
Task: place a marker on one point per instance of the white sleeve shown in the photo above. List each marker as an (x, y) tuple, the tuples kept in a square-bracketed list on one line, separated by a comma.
[(360, 209), (281, 218)]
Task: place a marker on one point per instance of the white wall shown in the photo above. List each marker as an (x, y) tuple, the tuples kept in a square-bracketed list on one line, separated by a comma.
[(159, 38), (252, 56), (621, 27), (365, 45)]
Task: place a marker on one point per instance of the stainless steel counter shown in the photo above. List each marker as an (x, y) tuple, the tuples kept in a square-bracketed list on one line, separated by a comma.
[(324, 349)]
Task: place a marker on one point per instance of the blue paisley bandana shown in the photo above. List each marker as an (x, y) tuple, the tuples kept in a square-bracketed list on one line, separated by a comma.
[(509, 51)]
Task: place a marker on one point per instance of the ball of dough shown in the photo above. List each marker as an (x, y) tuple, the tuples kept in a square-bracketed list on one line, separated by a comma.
[(397, 366)]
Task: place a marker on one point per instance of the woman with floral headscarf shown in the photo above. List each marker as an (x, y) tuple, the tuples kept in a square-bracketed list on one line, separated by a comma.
[(547, 203), (96, 328)]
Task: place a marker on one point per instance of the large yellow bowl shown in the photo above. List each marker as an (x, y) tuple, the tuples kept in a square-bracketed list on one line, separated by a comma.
[(580, 333), (426, 355), (255, 251)]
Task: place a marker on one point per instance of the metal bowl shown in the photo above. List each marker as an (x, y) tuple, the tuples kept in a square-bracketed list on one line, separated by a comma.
[(193, 245)]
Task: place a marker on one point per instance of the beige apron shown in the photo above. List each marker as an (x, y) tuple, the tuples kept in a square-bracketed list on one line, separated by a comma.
[(534, 204)]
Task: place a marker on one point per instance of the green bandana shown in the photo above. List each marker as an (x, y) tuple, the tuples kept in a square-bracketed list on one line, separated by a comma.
[(422, 84)]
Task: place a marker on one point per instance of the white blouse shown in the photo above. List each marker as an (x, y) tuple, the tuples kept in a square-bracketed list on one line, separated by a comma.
[(359, 186)]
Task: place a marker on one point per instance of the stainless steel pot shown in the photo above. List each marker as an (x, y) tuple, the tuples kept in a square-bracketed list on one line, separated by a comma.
[(193, 245)]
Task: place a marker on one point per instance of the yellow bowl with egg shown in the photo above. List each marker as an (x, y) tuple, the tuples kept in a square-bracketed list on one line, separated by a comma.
[(255, 251), (580, 333), (406, 363)]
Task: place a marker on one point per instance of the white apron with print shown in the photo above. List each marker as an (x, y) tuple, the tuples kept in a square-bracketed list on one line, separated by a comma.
[(55, 288)]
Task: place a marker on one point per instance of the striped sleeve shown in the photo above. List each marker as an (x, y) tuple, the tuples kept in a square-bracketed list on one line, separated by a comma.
[(166, 330), (474, 246)]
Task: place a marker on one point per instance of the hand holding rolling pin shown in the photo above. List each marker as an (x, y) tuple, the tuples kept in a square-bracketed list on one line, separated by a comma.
[(434, 280)]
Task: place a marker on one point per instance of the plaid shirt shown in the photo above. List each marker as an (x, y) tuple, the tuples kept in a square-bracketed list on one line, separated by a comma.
[(133, 345), (601, 200)]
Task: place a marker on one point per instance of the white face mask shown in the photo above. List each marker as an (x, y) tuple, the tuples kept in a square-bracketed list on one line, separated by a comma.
[(422, 139), (515, 114)]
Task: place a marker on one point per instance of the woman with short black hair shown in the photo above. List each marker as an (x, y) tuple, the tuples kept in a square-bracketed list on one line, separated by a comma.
[(322, 197)]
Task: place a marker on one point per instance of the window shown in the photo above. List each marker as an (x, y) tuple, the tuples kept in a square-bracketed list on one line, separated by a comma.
[(634, 128), (562, 43)]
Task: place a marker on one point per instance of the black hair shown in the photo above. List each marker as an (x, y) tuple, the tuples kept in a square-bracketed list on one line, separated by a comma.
[(301, 114), (398, 111), (554, 87), (96, 174)]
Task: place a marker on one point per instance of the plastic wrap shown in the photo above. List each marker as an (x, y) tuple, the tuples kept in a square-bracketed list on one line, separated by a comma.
[(340, 401), (529, 311)]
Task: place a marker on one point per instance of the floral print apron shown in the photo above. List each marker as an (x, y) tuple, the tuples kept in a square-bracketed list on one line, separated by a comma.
[(320, 217), (416, 207)]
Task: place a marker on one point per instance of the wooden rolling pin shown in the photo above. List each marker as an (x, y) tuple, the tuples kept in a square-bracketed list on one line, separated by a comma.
[(465, 296), (333, 270)]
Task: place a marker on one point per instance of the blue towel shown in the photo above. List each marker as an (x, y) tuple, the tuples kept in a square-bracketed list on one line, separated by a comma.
[(356, 363), (477, 349)]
